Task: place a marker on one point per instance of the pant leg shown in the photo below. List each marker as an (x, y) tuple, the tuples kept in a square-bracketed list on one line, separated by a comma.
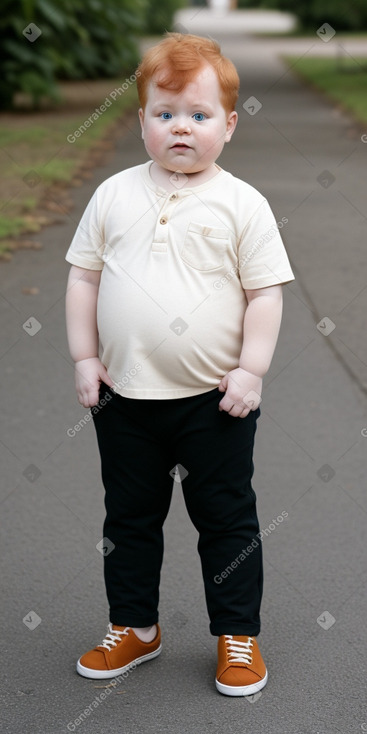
[(216, 450), (138, 489)]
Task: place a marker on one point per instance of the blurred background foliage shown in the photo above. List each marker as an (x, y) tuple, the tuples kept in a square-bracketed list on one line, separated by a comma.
[(80, 39), (311, 14), (341, 15), (95, 39)]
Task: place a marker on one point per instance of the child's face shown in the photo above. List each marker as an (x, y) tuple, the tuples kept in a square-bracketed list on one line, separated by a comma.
[(186, 131)]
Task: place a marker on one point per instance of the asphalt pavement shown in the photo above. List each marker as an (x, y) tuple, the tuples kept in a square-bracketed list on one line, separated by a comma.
[(309, 159)]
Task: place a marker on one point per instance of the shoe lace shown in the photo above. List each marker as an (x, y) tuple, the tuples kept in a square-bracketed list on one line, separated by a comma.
[(238, 651), (113, 637)]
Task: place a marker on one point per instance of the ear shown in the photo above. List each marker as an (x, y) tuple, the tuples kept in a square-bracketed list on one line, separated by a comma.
[(231, 125), (141, 118)]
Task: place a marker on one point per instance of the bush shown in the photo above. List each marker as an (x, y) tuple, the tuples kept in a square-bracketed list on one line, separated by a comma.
[(159, 14), (312, 14), (80, 39), (102, 38)]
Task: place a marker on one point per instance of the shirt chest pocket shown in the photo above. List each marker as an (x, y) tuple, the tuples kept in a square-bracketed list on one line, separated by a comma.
[(204, 247)]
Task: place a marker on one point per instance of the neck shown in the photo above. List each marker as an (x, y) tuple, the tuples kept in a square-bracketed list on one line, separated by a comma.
[(162, 176)]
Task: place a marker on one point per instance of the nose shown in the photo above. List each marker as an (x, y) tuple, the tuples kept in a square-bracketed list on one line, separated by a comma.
[(180, 126)]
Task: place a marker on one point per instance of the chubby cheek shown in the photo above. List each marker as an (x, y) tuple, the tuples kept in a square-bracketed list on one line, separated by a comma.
[(153, 138)]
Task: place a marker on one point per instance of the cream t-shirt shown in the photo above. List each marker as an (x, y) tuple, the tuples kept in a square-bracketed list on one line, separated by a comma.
[(175, 267)]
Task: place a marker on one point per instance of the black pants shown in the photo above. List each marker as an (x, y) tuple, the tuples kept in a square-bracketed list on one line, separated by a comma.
[(141, 442)]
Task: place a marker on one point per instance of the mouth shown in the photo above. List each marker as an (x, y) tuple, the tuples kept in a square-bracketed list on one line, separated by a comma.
[(182, 146)]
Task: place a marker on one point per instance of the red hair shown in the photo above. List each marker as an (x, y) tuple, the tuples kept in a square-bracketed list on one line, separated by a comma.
[(178, 59)]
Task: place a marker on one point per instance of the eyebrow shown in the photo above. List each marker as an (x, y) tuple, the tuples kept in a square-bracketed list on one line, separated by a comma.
[(195, 105)]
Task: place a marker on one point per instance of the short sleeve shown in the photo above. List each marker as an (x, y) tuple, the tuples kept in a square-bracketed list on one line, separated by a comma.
[(263, 260), (87, 246)]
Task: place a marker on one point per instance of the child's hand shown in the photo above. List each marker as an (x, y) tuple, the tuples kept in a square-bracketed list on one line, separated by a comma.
[(89, 373), (242, 392)]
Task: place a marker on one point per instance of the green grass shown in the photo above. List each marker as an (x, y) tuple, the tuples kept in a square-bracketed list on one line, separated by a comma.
[(344, 80), (39, 143), (11, 226)]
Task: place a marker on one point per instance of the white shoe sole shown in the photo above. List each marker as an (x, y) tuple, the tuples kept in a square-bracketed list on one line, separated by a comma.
[(242, 690), (101, 674)]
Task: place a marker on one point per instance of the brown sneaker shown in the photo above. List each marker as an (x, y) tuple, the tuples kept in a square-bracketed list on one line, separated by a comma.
[(241, 670), (120, 650)]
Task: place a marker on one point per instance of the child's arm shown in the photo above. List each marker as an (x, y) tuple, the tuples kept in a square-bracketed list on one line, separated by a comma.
[(81, 324), (260, 333)]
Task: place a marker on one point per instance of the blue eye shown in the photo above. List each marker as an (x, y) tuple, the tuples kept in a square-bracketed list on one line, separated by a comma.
[(165, 115), (199, 116)]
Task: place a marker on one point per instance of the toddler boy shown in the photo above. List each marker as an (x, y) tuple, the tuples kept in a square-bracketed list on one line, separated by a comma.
[(174, 305)]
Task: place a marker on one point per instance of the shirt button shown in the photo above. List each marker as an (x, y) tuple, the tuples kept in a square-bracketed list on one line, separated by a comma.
[(163, 220), (174, 196)]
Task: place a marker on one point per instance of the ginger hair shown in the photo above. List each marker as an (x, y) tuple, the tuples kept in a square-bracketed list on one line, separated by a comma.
[(175, 61)]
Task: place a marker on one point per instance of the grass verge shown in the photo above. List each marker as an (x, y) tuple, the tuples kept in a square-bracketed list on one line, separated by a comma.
[(343, 79), (42, 154)]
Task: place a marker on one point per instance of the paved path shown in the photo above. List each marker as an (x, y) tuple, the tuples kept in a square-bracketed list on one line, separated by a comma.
[(207, 20), (309, 160)]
